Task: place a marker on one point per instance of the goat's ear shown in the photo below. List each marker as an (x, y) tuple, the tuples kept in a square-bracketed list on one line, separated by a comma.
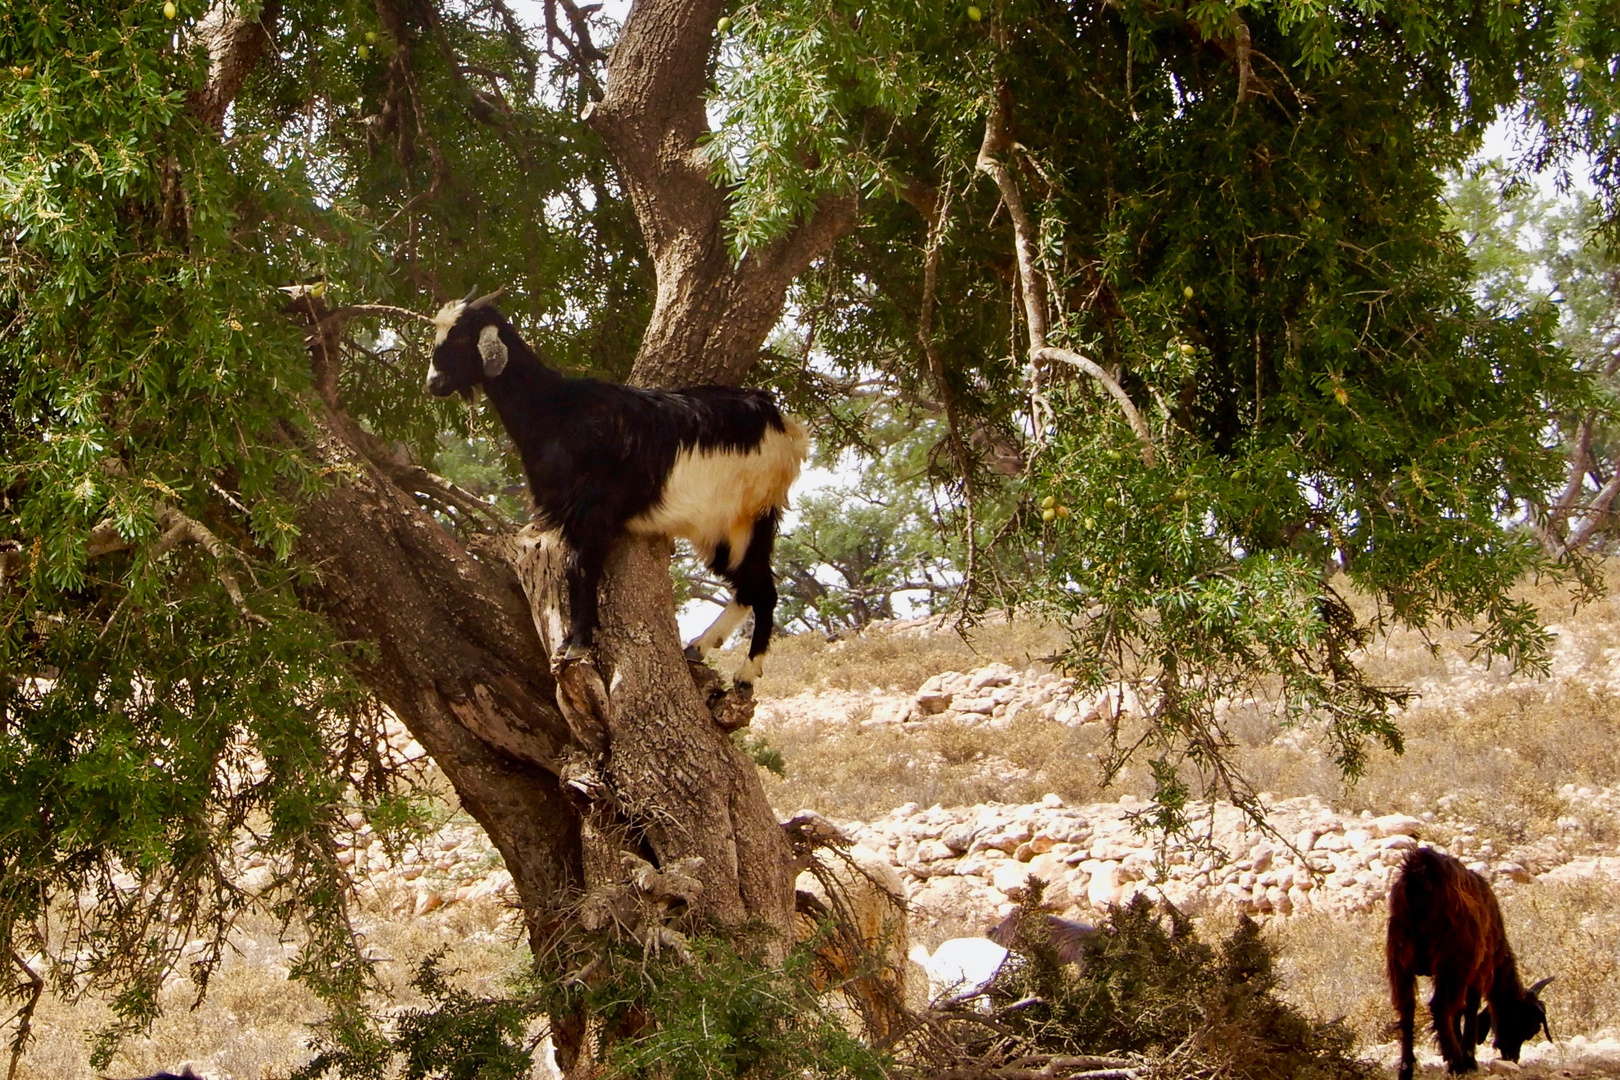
[(493, 350)]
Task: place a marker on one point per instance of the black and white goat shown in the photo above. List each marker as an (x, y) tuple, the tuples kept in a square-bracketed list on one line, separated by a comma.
[(710, 464)]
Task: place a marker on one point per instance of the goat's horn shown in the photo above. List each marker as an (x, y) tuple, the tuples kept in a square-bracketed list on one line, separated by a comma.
[(468, 299), (486, 298), (1536, 989)]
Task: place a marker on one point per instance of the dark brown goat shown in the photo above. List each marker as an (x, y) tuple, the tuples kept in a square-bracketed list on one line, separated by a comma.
[(1444, 922)]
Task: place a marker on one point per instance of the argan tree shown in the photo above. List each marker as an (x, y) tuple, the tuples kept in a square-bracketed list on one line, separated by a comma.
[(1182, 269)]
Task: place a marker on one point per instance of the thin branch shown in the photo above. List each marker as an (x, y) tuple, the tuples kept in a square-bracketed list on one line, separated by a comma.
[(997, 139), (1096, 371), (373, 309), (417, 479), (25, 1015)]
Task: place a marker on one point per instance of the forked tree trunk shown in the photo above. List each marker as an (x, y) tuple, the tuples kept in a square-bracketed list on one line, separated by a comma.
[(456, 655)]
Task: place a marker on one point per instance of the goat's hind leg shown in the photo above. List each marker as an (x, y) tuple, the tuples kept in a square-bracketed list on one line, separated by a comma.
[(730, 617), (756, 588)]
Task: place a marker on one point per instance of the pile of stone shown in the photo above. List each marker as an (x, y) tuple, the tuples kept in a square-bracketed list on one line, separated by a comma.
[(993, 695), (964, 866), (973, 863)]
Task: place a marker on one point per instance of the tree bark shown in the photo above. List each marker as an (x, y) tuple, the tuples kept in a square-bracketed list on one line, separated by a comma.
[(711, 313), (453, 652)]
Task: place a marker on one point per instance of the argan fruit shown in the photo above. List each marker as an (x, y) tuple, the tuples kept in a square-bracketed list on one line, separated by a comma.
[(974, 14), (724, 24), (362, 51), (1048, 515), (1048, 502), (169, 10), (1187, 292)]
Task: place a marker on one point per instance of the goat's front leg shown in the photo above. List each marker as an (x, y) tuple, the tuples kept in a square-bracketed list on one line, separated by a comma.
[(1447, 1006), (584, 574), (1472, 1036)]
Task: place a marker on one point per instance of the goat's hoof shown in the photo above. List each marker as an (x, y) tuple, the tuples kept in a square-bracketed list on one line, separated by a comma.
[(742, 689), (572, 652)]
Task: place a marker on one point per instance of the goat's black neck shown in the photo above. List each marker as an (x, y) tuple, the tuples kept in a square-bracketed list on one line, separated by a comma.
[(524, 390), (1506, 988)]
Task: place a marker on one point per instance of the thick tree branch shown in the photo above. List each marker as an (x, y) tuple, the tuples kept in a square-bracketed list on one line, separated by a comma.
[(236, 40), (710, 312)]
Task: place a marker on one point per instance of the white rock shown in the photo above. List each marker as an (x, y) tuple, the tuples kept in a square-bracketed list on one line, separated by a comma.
[(1104, 887), (1011, 878), (1397, 825), (889, 712)]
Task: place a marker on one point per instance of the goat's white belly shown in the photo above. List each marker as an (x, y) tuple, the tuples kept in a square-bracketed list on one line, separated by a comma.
[(716, 495)]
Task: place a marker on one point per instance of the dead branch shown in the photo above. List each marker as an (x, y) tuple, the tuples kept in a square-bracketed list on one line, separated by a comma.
[(352, 310), (34, 986)]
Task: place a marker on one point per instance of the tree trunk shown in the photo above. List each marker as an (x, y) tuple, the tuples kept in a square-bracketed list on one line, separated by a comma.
[(457, 653)]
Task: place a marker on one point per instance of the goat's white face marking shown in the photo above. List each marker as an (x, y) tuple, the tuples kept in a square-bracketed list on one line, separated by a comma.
[(445, 319), (442, 323)]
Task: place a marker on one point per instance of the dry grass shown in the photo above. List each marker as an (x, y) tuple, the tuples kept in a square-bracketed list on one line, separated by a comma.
[(862, 773), (254, 1023), (880, 660)]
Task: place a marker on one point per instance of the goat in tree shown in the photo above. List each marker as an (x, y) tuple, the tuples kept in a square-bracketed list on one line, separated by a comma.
[(1444, 922), (710, 464)]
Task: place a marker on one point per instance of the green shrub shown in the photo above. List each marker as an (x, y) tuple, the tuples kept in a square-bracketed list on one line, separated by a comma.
[(1148, 985)]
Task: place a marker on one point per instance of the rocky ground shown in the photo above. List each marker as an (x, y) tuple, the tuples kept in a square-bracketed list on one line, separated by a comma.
[(1315, 871)]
